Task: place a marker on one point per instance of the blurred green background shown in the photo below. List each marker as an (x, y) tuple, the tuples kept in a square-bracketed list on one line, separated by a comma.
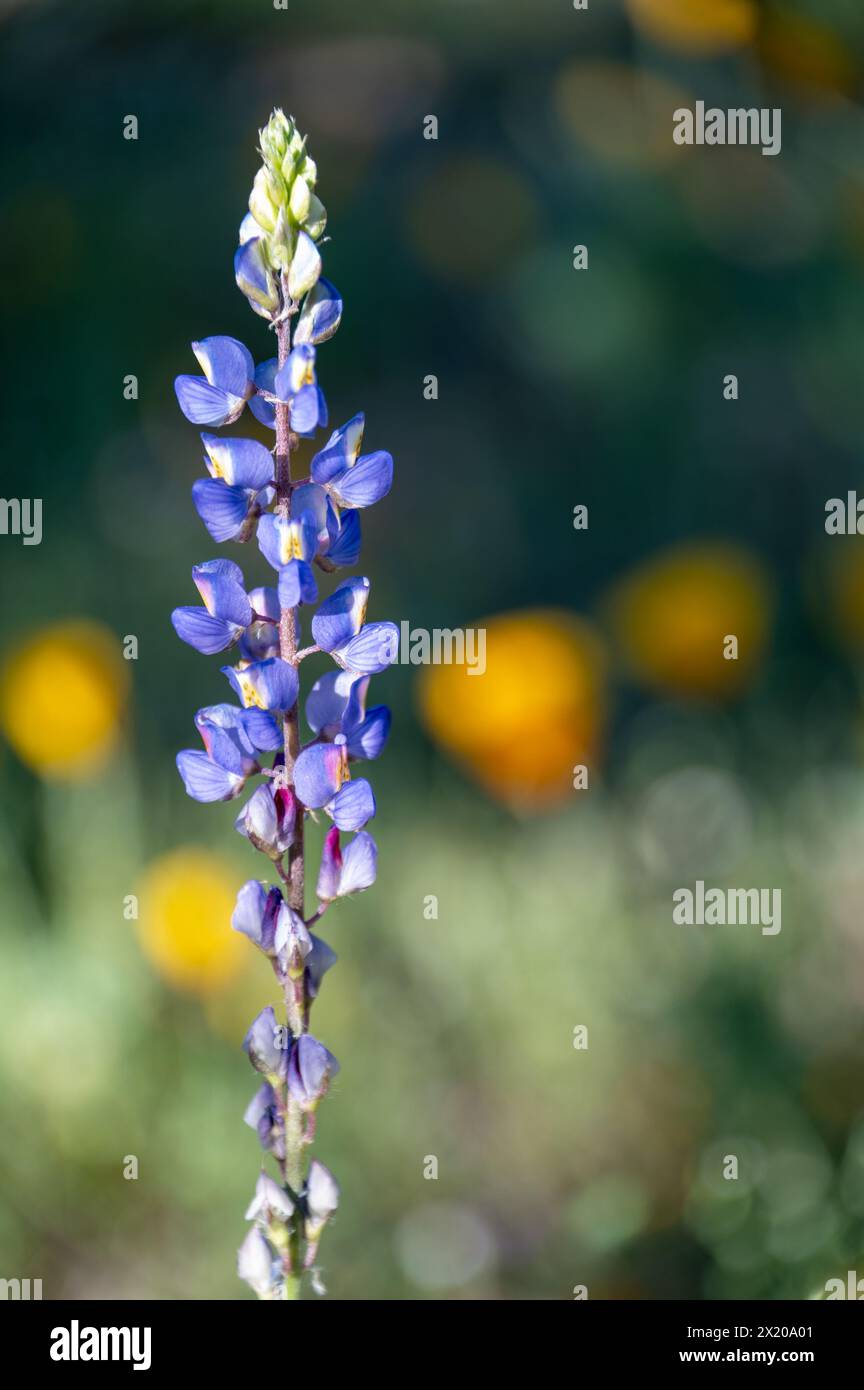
[(557, 1166)]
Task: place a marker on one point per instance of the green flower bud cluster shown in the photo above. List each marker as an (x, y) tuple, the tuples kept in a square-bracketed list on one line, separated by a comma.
[(283, 201)]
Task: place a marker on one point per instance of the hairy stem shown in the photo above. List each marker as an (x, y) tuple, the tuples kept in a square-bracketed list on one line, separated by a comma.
[(294, 878)]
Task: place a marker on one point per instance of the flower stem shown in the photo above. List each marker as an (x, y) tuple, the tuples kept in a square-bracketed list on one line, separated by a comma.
[(295, 1009)]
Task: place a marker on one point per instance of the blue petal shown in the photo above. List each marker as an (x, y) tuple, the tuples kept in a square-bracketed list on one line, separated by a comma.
[(225, 751), (202, 631), (297, 371), (320, 315), (259, 641), (318, 773), (374, 648), (264, 412), (204, 404), (297, 584), (203, 780), (265, 602), (271, 685), (308, 411), (222, 587), (359, 864), (239, 462), (319, 960), (367, 739), (223, 509), (345, 549), (353, 805), (254, 277), (366, 483), (226, 363), (262, 730), (341, 615), (340, 451), (330, 870), (229, 719), (327, 701)]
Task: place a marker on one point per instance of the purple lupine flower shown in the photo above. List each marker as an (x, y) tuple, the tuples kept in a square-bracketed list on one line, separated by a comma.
[(271, 684), (292, 941), (268, 820), (310, 1067), (248, 494), (319, 960), (255, 914), (262, 1115), (270, 1201), (350, 871), (227, 611), (267, 1046), (257, 1264), (321, 1198), (336, 705), (217, 397)]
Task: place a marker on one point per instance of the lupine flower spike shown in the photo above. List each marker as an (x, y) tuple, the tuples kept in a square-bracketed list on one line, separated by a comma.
[(299, 524)]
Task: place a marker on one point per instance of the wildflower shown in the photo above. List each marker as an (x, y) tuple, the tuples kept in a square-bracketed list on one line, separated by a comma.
[(321, 1198), (249, 493), (219, 396), (310, 1067)]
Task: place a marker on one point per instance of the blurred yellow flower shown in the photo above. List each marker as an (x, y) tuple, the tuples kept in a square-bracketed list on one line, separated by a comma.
[(62, 694), (673, 617), (804, 51), (536, 712), (184, 923), (844, 580), (696, 26), (619, 115)]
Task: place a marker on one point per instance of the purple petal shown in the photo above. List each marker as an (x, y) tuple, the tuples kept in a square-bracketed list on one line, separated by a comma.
[(202, 631), (341, 615), (359, 864), (262, 730), (310, 1067), (204, 404), (330, 870), (366, 740), (327, 701), (374, 648), (319, 960), (353, 805), (320, 315), (226, 363), (203, 780), (223, 509), (296, 584), (345, 549), (366, 483), (340, 451), (238, 462), (319, 773), (220, 584)]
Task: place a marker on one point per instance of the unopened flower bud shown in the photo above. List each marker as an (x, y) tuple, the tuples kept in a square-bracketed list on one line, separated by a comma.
[(256, 1264), (268, 1046), (321, 1199), (271, 1208)]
